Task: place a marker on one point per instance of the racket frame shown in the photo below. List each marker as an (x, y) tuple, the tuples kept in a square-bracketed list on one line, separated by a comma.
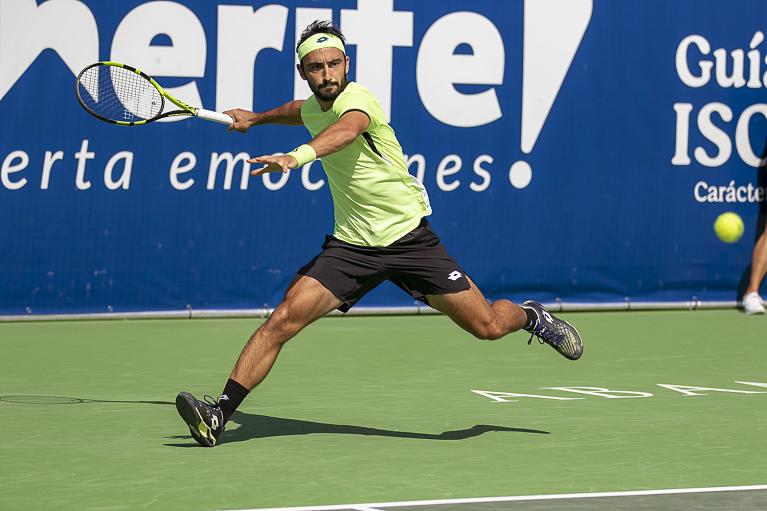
[(184, 109)]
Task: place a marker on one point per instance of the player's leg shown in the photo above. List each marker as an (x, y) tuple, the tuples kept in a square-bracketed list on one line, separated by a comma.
[(420, 265), (752, 302), (471, 311), (306, 300), (337, 278)]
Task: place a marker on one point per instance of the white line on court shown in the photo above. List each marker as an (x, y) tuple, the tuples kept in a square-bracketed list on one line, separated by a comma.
[(374, 506)]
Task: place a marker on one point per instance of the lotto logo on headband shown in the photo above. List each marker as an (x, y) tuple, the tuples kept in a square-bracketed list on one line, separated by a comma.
[(323, 41)]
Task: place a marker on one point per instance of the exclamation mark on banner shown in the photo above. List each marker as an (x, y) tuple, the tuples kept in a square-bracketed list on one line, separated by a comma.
[(553, 31)]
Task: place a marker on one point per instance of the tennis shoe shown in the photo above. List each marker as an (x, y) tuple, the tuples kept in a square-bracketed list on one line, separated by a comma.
[(557, 333), (204, 418), (752, 303)]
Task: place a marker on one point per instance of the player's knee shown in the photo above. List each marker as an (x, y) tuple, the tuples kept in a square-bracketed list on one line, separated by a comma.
[(282, 324), (488, 330)]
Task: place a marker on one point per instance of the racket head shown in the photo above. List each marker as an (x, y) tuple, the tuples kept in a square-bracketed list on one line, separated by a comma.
[(120, 94)]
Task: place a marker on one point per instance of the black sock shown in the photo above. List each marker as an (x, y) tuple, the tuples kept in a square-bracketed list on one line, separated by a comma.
[(231, 398), (532, 318)]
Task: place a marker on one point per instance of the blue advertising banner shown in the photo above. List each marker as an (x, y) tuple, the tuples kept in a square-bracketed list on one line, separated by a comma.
[(573, 150)]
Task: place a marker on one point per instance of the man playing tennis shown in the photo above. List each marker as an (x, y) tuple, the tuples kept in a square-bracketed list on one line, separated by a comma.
[(380, 232)]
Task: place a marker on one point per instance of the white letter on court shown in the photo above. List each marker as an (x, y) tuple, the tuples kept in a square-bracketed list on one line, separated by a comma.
[(691, 391), (600, 392), (754, 383), (500, 397)]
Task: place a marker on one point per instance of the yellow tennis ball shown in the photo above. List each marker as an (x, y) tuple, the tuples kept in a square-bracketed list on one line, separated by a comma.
[(728, 227)]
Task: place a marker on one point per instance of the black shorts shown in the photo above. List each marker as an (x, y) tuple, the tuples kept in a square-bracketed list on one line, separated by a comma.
[(417, 263)]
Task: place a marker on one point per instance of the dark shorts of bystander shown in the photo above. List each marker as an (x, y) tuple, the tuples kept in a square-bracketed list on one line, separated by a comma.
[(417, 263)]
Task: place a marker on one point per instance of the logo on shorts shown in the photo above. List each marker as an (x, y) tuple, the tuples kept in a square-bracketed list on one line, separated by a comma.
[(455, 275)]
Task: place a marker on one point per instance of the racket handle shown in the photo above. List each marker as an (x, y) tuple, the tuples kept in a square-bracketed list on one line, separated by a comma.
[(210, 115)]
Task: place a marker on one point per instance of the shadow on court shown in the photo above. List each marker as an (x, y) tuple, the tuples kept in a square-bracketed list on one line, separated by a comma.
[(262, 426), (66, 400)]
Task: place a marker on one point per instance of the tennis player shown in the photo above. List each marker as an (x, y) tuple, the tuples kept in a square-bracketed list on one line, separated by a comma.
[(752, 301), (380, 232)]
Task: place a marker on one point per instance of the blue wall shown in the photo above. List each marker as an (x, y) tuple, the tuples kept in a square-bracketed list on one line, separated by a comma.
[(612, 194)]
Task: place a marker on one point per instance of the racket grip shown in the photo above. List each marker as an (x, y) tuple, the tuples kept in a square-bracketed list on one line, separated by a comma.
[(210, 115)]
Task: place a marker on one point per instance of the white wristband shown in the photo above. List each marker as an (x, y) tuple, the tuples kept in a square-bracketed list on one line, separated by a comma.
[(303, 154)]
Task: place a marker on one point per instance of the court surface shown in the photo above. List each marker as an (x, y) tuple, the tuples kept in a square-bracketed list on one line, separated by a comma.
[(404, 413)]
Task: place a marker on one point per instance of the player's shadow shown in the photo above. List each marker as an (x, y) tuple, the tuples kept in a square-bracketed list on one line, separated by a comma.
[(35, 399), (263, 426), (761, 182)]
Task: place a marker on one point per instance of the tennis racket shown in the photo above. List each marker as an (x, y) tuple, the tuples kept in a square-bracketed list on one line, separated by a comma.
[(123, 95)]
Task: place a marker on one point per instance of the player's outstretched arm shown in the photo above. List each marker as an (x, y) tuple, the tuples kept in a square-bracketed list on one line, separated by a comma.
[(333, 138), (340, 134), (289, 113)]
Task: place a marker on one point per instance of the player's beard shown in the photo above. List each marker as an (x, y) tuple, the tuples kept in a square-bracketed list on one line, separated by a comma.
[(329, 96)]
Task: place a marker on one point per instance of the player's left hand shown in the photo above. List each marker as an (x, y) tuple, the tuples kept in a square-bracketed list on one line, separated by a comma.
[(273, 163)]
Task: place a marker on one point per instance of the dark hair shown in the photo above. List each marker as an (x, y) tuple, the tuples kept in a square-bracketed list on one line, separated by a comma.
[(320, 27)]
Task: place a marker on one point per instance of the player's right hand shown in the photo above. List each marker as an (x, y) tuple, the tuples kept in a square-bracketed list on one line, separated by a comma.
[(243, 119)]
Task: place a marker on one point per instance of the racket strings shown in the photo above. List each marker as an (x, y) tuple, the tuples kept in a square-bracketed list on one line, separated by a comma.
[(120, 94)]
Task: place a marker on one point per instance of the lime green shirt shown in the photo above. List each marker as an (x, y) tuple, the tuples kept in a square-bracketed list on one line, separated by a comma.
[(375, 200)]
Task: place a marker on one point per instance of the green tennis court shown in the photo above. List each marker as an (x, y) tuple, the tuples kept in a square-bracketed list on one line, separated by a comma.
[(405, 411)]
